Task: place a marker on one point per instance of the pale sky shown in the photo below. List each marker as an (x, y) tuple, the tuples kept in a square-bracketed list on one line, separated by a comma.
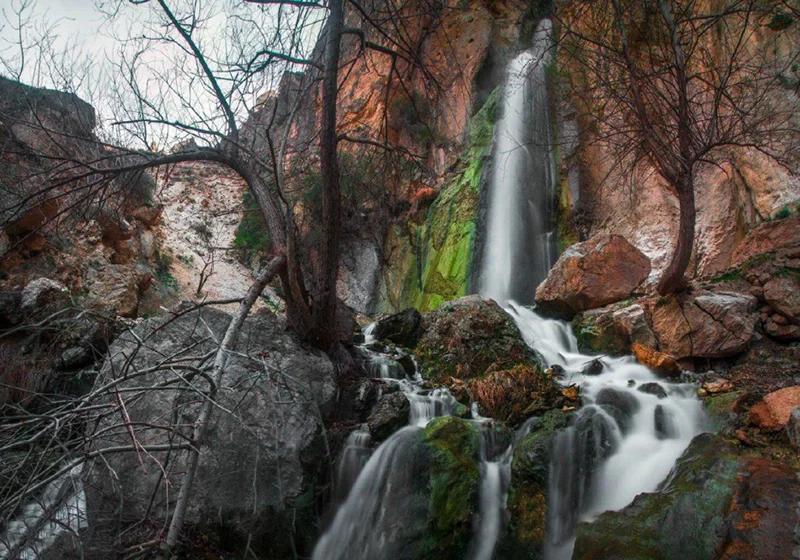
[(83, 55)]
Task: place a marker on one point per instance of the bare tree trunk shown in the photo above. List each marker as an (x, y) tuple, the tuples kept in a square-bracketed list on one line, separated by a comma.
[(220, 360), (325, 295), (672, 279)]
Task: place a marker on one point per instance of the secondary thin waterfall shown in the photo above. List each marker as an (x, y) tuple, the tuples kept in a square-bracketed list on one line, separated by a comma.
[(633, 426), (520, 242)]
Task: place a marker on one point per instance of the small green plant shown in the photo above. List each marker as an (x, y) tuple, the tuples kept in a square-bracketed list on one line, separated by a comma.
[(727, 277), (251, 235), (783, 213), (661, 301)]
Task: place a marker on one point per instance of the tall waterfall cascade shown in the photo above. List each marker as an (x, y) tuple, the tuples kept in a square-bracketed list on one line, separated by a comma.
[(622, 442), (521, 243)]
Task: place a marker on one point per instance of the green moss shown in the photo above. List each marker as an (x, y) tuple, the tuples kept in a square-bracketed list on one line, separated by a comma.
[(432, 263), (655, 526), (719, 406), (454, 482), (729, 276)]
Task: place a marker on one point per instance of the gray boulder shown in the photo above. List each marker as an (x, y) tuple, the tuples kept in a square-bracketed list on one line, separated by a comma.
[(263, 447)]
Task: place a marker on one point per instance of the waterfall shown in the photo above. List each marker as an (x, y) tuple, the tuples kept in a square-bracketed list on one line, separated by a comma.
[(633, 427), (520, 242)]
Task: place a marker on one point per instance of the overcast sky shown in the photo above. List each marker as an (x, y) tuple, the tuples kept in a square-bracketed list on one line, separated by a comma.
[(86, 47)]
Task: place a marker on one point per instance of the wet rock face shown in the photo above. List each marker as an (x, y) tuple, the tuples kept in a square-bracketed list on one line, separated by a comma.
[(602, 270), (745, 507), (704, 324), (402, 328), (782, 293), (466, 337), (613, 329), (655, 360), (259, 459), (527, 494)]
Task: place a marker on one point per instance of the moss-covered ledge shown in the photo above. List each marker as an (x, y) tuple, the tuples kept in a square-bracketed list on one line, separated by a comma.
[(431, 263)]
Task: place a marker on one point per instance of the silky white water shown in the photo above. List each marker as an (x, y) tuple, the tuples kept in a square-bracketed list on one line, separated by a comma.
[(623, 441)]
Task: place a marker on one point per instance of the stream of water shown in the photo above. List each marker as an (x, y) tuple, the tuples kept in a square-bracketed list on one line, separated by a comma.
[(622, 442)]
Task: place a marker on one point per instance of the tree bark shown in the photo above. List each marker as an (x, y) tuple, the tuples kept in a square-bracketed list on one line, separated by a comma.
[(325, 293), (672, 279)]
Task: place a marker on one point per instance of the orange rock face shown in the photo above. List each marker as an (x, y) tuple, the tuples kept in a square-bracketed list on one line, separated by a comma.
[(773, 412), (602, 270), (768, 237), (655, 360)]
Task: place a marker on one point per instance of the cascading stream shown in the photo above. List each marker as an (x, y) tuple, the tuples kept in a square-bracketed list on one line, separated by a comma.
[(632, 428)]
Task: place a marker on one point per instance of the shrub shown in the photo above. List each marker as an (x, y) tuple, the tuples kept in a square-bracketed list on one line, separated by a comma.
[(783, 213), (251, 234)]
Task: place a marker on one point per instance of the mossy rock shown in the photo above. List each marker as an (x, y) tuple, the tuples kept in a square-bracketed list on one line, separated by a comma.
[(686, 519), (454, 486), (524, 537), (432, 263), (466, 337)]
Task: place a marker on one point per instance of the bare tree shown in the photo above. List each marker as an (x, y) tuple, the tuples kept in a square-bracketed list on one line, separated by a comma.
[(677, 85)]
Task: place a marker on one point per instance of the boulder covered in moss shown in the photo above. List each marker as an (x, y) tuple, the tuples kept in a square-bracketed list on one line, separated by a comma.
[(467, 337), (715, 504), (524, 537)]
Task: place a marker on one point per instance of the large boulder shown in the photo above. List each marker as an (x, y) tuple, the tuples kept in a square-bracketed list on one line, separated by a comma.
[(613, 329), (714, 505), (263, 447), (704, 324), (782, 293), (466, 337), (43, 295), (602, 270), (114, 289)]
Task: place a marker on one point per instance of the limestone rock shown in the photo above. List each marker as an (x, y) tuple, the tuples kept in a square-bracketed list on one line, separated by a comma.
[(114, 288), (602, 270), (465, 337), (704, 324), (43, 294), (773, 412), (264, 441), (718, 385), (655, 360), (767, 237), (150, 216)]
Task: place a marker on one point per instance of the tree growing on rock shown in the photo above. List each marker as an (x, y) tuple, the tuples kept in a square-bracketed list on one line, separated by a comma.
[(679, 85)]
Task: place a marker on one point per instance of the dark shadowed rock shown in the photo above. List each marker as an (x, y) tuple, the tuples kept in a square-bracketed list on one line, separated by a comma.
[(264, 442), (594, 367), (389, 415), (653, 389), (401, 328), (665, 423), (466, 337)]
